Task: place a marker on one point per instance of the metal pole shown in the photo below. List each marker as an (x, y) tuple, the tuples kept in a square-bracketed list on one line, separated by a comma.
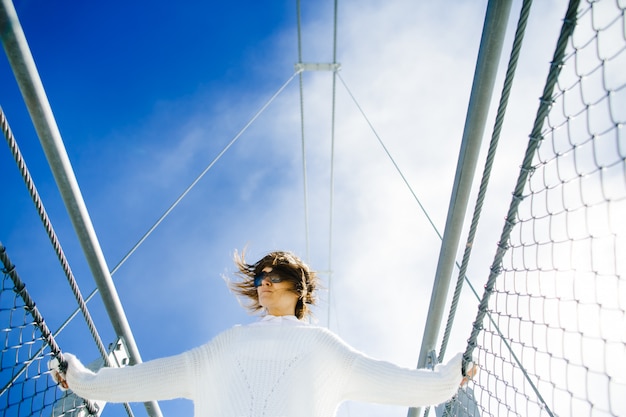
[(494, 30), (25, 71)]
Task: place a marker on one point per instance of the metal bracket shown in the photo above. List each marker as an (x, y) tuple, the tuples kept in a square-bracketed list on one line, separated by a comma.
[(302, 66), (118, 354), (71, 405), (431, 360)]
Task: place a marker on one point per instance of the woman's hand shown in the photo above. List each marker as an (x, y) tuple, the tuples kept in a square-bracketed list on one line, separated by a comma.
[(472, 370), (59, 376)]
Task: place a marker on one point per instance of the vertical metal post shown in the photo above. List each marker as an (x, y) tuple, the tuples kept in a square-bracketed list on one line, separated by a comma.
[(494, 30), (25, 71)]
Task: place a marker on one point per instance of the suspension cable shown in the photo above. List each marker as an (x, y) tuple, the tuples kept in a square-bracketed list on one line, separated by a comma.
[(302, 136), (332, 165)]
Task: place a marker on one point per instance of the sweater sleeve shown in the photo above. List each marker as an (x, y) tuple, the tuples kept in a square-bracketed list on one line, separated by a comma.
[(160, 379), (381, 382)]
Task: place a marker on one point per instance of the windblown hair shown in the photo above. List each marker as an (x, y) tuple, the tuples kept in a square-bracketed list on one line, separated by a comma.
[(285, 264)]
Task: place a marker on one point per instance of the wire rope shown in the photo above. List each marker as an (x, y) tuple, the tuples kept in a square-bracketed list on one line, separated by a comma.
[(495, 137), (56, 244), (546, 101), (535, 137), (493, 146), (41, 210)]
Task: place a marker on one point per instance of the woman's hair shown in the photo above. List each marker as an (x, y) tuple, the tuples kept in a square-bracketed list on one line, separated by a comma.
[(289, 267)]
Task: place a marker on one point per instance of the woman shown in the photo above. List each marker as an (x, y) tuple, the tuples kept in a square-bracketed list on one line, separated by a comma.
[(279, 366)]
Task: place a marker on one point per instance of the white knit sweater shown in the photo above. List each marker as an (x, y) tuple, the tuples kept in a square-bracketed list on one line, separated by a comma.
[(286, 369)]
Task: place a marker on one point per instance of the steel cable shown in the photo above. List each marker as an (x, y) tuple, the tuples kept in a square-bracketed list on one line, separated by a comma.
[(56, 244)]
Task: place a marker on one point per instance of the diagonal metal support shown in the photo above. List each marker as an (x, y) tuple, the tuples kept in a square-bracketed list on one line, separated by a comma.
[(494, 31)]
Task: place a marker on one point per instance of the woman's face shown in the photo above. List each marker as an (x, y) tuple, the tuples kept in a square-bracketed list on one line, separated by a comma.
[(277, 297)]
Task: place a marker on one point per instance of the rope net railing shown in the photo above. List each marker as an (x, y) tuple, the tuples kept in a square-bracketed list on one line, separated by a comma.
[(550, 335), (26, 347)]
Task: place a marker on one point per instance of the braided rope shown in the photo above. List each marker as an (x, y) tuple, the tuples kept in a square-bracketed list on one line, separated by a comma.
[(56, 244), (569, 23), (493, 145)]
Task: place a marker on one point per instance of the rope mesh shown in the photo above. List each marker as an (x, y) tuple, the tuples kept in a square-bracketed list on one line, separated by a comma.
[(26, 347), (555, 343)]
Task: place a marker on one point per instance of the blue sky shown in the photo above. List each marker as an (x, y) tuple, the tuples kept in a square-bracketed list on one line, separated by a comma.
[(147, 96)]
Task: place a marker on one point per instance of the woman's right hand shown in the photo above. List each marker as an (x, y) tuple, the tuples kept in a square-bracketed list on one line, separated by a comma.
[(472, 370), (57, 374)]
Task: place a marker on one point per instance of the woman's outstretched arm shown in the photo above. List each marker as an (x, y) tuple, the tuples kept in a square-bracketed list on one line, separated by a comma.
[(159, 379)]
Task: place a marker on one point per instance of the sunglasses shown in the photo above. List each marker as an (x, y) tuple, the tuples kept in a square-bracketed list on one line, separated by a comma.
[(274, 279)]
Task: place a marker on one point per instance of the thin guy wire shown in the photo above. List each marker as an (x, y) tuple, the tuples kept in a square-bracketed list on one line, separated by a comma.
[(167, 212), (493, 146), (20, 289), (202, 174), (408, 185), (569, 23), (402, 176), (56, 244), (390, 157), (304, 176), (405, 181)]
